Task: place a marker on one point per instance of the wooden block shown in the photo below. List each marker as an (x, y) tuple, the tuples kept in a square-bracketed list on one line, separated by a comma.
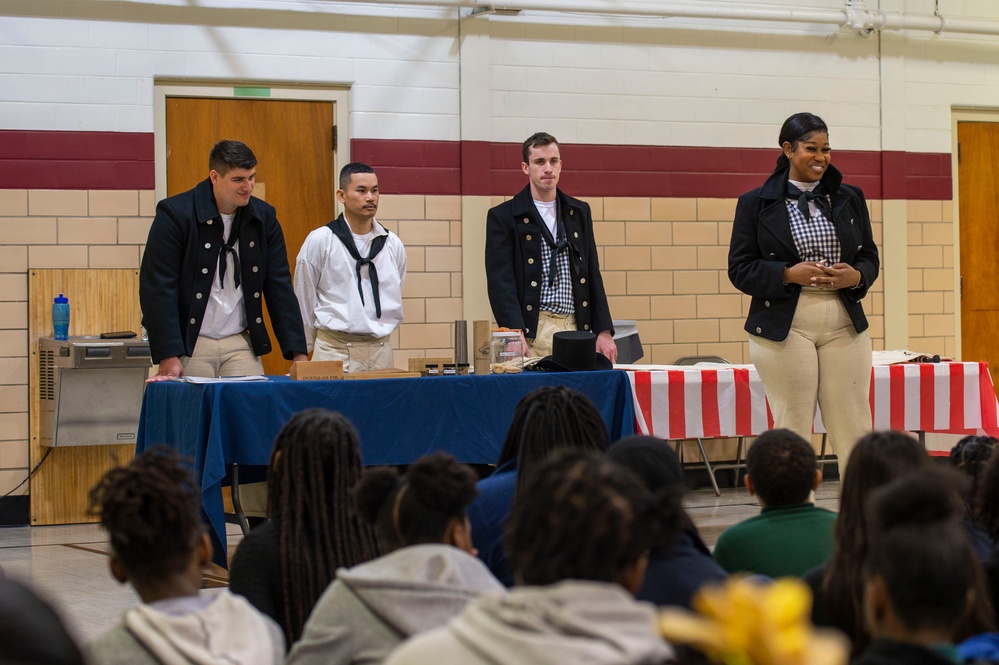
[(381, 374), (482, 335), (317, 370)]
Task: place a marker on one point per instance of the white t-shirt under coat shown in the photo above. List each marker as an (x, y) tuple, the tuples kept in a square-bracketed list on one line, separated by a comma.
[(225, 314)]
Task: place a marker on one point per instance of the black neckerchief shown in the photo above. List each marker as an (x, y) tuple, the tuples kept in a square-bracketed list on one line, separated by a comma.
[(229, 247), (557, 245), (341, 230), (818, 195)]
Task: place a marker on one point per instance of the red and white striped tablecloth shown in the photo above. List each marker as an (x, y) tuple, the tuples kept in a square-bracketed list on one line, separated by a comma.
[(721, 401)]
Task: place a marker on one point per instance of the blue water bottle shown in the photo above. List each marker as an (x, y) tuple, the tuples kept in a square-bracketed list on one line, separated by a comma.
[(60, 317)]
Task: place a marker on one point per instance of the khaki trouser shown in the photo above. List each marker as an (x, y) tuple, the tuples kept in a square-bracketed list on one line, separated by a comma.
[(359, 353), (824, 358), (549, 323), (228, 356)]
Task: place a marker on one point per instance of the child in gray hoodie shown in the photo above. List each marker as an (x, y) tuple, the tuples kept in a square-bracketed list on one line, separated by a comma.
[(578, 540), (428, 576)]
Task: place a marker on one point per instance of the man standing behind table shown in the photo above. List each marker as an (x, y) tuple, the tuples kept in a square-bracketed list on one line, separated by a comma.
[(200, 324), (348, 279), (541, 258)]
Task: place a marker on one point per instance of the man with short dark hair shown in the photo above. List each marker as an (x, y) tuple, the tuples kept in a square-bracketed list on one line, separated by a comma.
[(791, 535), (213, 255), (348, 279), (541, 258)]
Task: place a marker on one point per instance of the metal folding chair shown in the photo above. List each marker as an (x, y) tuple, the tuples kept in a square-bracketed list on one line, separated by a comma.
[(237, 505), (822, 453)]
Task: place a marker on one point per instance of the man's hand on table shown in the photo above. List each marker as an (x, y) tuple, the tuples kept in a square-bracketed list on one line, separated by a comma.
[(170, 368)]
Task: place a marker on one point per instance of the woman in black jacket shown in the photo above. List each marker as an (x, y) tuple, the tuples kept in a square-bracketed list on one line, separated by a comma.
[(802, 247)]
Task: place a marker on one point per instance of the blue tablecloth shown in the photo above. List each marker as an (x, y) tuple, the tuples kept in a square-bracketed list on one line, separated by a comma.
[(398, 420)]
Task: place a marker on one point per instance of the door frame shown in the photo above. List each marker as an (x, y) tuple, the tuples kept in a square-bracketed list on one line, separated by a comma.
[(339, 95), (961, 114)]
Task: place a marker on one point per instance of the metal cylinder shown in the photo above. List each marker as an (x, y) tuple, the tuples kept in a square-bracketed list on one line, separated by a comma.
[(461, 341)]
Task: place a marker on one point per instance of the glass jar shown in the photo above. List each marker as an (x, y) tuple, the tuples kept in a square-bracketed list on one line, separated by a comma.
[(506, 353)]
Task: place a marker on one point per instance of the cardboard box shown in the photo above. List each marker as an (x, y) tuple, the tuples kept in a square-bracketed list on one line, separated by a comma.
[(420, 364), (482, 335), (317, 370), (392, 373)]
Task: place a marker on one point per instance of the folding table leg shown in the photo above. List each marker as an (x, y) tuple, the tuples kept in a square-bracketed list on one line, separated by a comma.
[(237, 507)]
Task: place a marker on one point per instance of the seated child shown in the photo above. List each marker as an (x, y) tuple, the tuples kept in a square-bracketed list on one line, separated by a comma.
[(428, 575), (971, 455), (791, 535), (547, 419), (286, 563), (919, 576), (151, 510), (837, 587), (578, 541), (678, 568)]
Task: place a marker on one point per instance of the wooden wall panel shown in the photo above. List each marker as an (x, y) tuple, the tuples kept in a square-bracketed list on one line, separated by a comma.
[(100, 300)]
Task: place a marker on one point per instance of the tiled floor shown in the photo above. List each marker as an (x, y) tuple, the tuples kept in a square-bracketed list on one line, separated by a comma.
[(69, 564)]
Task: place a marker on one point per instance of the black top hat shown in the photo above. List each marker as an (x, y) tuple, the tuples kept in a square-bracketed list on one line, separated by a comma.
[(573, 351)]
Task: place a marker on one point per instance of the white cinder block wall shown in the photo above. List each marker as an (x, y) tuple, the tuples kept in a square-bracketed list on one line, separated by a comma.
[(438, 75)]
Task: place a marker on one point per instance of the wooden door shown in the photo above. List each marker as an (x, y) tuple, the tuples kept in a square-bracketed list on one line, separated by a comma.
[(293, 142), (978, 187)]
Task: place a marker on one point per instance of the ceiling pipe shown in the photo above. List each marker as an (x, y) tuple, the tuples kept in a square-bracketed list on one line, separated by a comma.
[(852, 15)]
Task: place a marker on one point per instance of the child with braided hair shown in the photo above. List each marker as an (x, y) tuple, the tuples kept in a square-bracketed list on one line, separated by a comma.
[(972, 455), (578, 541), (286, 563), (548, 419), (428, 575), (151, 510)]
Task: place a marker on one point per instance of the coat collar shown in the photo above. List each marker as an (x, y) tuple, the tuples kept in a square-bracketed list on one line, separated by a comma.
[(523, 202), (774, 216)]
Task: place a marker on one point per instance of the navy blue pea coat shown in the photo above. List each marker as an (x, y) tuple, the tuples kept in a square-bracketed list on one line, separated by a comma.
[(181, 259), (762, 246)]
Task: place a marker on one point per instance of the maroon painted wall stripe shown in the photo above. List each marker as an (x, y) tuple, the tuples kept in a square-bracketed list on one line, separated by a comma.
[(116, 160), (493, 169), (76, 160)]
